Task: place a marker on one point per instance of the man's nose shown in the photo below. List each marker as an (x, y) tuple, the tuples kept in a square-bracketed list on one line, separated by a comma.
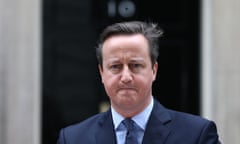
[(126, 75)]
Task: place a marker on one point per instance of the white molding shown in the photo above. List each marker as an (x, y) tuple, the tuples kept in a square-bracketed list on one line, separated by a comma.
[(206, 59), (20, 51)]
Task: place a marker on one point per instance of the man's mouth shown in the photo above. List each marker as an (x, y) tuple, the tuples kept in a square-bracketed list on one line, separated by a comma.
[(127, 89)]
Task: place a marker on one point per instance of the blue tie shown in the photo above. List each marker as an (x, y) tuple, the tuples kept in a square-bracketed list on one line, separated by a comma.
[(131, 137)]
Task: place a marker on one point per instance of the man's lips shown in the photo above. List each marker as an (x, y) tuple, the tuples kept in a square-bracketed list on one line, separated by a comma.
[(126, 88)]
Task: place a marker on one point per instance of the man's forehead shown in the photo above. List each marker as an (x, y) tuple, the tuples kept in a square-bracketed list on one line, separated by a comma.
[(131, 59)]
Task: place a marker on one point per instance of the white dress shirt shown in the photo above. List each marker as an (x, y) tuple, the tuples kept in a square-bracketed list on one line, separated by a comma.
[(140, 119)]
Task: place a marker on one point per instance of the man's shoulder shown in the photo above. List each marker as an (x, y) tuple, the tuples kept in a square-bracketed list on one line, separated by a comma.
[(177, 115), (181, 119), (85, 125), (81, 131), (189, 121), (187, 117), (185, 127)]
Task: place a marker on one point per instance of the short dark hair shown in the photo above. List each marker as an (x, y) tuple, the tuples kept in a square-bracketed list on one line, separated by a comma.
[(150, 31)]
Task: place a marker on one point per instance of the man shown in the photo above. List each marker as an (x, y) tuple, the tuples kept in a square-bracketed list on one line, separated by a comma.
[(127, 55)]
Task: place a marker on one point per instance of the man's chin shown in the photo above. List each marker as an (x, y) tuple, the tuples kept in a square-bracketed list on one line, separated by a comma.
[(127, 99)]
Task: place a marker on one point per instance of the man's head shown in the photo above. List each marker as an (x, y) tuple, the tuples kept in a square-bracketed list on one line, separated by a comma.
[(128, 65), (149, 30)]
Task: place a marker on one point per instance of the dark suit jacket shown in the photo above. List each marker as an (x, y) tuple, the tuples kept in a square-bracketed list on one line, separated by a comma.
[(164, 127)]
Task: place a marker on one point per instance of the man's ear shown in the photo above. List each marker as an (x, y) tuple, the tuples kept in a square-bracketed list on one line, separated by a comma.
[(155, 69), (100, 69)]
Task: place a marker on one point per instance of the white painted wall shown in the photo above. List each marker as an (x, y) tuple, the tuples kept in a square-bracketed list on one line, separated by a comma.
[(221, 66), (20, 56)]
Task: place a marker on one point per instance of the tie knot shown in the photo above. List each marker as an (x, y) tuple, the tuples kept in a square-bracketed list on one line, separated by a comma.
[(128, 123)]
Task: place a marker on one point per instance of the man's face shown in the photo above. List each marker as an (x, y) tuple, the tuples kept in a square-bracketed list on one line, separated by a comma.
[(127, 72)]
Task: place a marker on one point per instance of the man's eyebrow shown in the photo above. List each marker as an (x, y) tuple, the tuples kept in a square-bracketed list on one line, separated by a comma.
[(137, 60)]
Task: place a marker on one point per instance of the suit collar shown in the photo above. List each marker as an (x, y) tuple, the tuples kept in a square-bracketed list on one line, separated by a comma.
[(158, 125), (105, 133), (156, 132)]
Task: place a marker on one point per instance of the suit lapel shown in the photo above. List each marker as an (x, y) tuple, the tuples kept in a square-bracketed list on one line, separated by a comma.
[(157, 129), (105, 133)]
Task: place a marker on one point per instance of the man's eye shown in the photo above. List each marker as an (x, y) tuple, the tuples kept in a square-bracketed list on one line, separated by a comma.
[(115, 67), (136, 65)]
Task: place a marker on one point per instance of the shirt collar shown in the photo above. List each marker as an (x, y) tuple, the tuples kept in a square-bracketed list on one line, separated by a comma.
[(141, 119)]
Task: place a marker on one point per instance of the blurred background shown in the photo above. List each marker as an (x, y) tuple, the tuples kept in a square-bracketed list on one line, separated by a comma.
[(48, 69)]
